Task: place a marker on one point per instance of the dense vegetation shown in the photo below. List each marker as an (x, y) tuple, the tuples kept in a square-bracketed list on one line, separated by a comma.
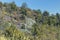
[(23, 23)]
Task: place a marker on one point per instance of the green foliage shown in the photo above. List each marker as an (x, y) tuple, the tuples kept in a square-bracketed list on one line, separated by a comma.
[(24, 5), (13, 6), (45, 13), (46, 27), (23, 26), (34, 31), (23, 11), (1, 4)]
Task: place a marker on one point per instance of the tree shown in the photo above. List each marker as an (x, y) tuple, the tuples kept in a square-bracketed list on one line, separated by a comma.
[(5, 4), (45, 13), (23, 11), (45, 17), (58, 18), (57, 15), (13, 5), (49, 22), (37, 11), (1, 4), (24, 5), (38, 15), (53, 19)]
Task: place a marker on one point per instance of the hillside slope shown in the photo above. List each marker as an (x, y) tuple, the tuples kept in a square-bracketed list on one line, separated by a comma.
[(23, 23)]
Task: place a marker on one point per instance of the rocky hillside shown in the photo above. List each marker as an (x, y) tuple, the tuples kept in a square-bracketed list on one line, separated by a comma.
[(23, 23)]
